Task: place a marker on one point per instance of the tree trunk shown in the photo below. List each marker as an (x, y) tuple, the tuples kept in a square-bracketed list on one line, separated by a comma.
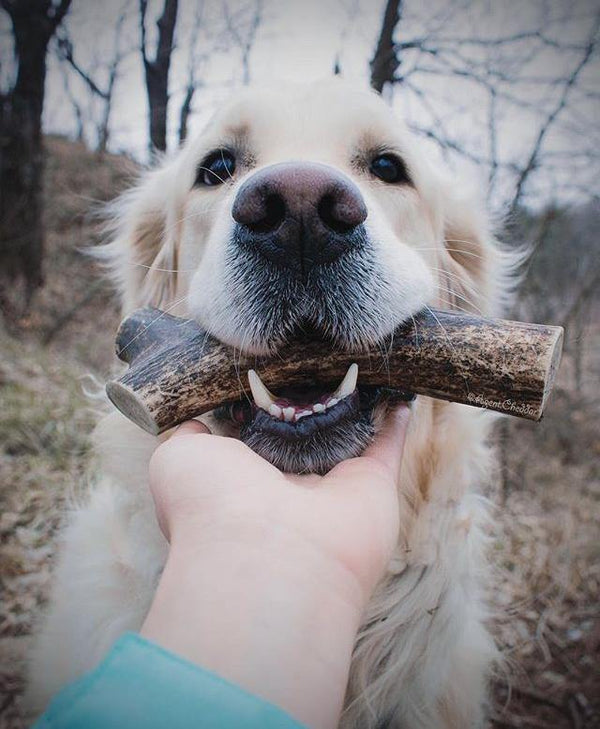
[(21, 153), (384, 63), (157, 75), (21, 160), (158, 97)]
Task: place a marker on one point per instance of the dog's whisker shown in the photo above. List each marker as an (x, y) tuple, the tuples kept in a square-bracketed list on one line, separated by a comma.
[(190, 216), (226, 167), (451, 250), (463, 285), (212, 172), (163, 313), (456, 280), (462, 298), (160, 270), (464, 281), (433, 314), (414, 321), (454, 306)]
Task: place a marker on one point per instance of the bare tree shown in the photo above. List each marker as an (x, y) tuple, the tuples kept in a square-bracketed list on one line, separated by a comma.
[(539, 69), (413, 53), (546, 126), (157, 71), (76, 104), (34, 22), (195, 59), (239, 30), (243, 27), (104, 91), (385, 61)]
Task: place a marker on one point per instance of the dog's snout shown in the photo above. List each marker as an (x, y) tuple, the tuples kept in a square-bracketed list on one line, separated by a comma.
[(299, 213)]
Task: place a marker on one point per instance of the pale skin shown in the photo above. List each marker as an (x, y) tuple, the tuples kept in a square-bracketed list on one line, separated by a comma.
[(268, 573)]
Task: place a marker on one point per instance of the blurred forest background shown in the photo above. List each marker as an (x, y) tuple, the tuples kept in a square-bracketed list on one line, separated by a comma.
[(504, 91)]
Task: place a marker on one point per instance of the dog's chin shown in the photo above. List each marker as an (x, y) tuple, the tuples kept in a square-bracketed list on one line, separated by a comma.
[(317, 442), (316, 453)]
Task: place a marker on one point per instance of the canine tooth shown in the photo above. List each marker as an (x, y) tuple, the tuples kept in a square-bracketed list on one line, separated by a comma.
[(331, 402), (318, 407), (275, 410), (262, 397), (348, 384), (288, 414)]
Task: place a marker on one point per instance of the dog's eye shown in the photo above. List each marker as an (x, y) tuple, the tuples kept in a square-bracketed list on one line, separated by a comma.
[(389, 168), (216, 169)]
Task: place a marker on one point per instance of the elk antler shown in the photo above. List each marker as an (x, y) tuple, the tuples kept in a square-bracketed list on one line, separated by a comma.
[(178, 371)]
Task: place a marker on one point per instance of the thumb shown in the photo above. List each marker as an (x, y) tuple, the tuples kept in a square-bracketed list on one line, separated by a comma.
[(388, 446)]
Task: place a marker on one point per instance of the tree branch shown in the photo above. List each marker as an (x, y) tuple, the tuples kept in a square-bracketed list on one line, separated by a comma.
[(143, 8), (551, 118), (65, 49)]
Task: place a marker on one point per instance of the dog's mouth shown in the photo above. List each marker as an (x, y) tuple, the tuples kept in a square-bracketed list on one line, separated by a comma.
[(309, 429)]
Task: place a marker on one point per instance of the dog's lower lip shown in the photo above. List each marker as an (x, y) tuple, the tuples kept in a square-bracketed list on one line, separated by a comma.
[(317, 442), (345, 409), (245, 413)]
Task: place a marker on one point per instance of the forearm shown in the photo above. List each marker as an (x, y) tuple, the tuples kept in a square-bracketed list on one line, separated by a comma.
[(282, 627)]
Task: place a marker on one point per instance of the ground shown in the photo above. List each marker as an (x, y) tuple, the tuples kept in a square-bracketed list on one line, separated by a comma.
[(545, 612)]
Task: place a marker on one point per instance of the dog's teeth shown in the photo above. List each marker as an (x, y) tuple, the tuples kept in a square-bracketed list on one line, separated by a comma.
[(262, 397), (265, 400), (275, 410), (348, 384)]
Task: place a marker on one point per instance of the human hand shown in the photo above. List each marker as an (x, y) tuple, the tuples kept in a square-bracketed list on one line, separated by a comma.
[(268, 573), (216, 486)]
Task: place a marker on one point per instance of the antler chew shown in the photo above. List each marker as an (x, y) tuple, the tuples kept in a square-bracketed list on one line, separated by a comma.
[(177, 371)]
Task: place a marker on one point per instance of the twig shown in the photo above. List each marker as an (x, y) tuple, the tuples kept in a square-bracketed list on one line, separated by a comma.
[(534, 695)]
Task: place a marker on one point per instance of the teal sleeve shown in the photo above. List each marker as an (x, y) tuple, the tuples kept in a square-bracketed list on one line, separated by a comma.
[(139, 684)]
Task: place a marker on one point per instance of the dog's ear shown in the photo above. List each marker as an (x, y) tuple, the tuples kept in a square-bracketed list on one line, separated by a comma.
[(143, 229), (476, 274)]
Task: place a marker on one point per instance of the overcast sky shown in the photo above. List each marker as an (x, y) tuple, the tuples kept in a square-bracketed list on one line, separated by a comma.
[(301, 39)]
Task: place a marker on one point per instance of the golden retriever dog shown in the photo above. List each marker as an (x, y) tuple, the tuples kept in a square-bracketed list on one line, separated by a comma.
[(303, 211)]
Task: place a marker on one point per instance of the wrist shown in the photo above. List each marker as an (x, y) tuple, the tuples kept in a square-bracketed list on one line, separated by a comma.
[(274, 616)]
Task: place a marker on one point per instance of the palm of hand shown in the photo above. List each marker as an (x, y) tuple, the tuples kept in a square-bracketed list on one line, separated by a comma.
[(346, 521)]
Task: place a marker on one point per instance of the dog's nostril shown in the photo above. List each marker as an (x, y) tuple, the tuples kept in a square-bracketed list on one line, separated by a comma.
[(259, 209), (333, 217), (274, 212), (342, 210)]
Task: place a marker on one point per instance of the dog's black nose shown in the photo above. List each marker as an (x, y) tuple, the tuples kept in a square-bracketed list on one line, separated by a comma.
[(299, 214)]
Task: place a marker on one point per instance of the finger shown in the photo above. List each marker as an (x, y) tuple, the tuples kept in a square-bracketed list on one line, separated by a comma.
[(191, 427), (388, 446)]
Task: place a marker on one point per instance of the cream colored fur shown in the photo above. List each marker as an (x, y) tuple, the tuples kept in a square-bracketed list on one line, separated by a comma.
[(423, 655)]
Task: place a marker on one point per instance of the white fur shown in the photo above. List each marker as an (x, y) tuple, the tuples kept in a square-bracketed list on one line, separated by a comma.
[(422, 656)]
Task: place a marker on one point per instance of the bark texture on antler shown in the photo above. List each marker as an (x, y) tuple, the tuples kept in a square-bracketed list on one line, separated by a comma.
[(177, 371)]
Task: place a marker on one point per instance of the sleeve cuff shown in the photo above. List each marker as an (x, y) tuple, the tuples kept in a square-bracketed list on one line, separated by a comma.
[(140, 684)]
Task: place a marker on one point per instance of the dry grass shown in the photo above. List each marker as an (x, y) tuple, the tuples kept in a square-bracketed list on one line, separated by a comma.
[(546, 549), (45, 418)]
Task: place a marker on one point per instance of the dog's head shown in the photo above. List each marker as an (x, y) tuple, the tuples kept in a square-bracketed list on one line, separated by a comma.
[(302, 212)]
